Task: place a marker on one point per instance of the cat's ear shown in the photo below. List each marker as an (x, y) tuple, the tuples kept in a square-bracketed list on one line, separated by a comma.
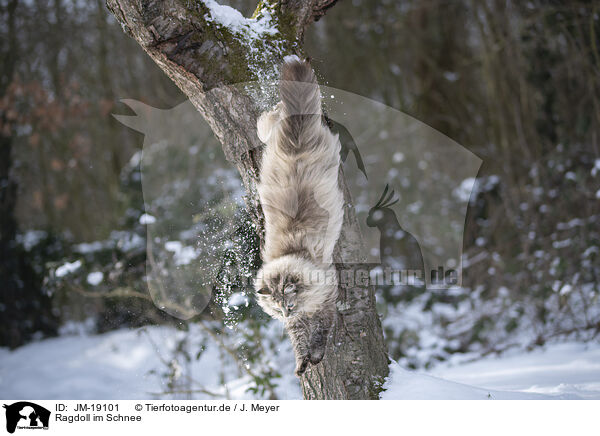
[(264, 291)]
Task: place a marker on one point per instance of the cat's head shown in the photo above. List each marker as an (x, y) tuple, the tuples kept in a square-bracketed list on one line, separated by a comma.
[(291, 285), (282, 293)]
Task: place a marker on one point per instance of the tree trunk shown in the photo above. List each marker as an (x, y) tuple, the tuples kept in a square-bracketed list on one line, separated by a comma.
[(200, 55)]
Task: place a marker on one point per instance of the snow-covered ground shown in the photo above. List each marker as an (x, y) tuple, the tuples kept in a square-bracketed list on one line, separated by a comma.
[(126, 364), (563, 370), (558, 371)]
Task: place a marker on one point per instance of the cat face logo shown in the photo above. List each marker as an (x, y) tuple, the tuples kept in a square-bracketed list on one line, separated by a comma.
[(26, 415)]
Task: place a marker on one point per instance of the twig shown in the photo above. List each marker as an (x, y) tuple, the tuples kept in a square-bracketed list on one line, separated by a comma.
[(234, 355), (200, 389)]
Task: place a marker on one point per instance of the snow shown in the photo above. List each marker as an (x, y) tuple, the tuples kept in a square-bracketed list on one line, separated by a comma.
[(127, 241), (590, 250), (451, 76), (596, 167), (89, 247), (565, 289), (95, 278), (31, 238), (409, 385), (147, 219), (471, 187), (237, 23), (398, 157), (463, 192), (126, 364), (254, 33), (122, 364), (290, 58), (563, 370), (238, 299), (173, 246), (106, 366), (182, 255), (558, 371), (67, 268)]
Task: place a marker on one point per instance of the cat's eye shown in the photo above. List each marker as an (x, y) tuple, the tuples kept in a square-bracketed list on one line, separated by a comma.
[(264, 291)]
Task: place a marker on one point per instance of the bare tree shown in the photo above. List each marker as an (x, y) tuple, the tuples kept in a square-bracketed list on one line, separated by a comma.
[(200, 54)]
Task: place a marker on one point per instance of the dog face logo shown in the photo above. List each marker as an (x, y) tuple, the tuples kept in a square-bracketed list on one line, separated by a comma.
[(26, 415)]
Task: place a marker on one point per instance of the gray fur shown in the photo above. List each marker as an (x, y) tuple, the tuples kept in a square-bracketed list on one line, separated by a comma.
[(303, 208)]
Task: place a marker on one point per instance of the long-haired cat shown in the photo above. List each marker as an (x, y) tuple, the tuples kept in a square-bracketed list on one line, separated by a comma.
[(303, 207)]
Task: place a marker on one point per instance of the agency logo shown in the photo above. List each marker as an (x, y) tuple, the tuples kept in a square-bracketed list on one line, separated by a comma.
[(410, 187), (26, 415)]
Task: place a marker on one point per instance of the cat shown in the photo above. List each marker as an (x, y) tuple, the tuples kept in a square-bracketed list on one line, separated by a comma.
[(303, 207)]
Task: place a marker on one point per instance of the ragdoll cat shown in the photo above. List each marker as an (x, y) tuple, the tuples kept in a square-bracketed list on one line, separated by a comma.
[(303, 207)]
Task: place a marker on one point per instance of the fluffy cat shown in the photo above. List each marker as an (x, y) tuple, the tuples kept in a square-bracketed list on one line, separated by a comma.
[(303, 208)]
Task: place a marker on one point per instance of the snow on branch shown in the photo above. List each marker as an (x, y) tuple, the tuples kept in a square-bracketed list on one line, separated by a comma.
[(213, 44), (203, 45), (231, 18)]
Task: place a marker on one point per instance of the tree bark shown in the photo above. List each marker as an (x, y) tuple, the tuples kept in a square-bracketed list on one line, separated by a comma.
[(200, 55)]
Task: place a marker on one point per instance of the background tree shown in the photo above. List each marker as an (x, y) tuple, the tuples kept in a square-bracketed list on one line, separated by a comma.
[(24, 307)]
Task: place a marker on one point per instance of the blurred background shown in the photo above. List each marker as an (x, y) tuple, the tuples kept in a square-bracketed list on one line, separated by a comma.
[(516, 83)]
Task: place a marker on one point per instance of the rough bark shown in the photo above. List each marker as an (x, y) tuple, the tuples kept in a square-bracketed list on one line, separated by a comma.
[(201, 56)]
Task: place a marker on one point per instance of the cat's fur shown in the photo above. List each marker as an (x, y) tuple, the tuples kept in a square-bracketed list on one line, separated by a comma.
[(303, 208)]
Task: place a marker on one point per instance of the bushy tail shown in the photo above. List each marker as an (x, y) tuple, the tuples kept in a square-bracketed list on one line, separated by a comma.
[(301, 101)]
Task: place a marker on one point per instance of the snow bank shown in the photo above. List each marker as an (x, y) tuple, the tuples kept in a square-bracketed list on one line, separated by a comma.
[(126, 364), (567, 370), (123, 364), (409, 385)]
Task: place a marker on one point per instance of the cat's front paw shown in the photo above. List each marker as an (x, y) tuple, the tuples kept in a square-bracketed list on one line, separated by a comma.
[(301, 365)]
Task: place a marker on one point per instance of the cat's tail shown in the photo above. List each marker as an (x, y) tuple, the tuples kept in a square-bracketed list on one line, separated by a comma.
[(301, 104)]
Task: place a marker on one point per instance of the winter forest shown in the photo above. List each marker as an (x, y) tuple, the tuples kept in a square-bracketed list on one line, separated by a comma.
[(129, 231)]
